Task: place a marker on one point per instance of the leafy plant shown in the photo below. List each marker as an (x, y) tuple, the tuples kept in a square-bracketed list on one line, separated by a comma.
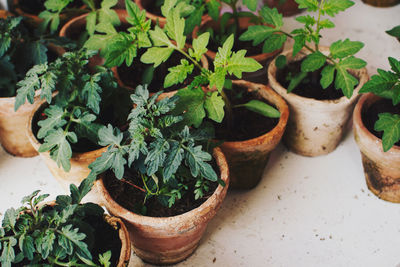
[(98, 15), (166, 157), (341, 53), (386, 84), (19, 51), (196, 102), (85, 101), (44, 235), (395, 31)]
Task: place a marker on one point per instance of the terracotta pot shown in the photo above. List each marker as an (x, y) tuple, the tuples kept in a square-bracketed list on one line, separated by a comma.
[(13, 135), (123, 233), (285, 7), (381, 169), (156, 19), (172, 239), (79, 161), (315, 127), (263, 58), (247, 159), (382, 3), (4, 14), (204, 64)]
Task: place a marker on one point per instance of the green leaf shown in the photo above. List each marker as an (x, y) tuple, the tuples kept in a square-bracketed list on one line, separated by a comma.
[(307, 20), (280, 61), (175, 27), (345, 81), (200, 46), (10, 218), (196, 159), (156, 55), (213, 9), (238, 63), (274, 42), (251, 4), (91, 22), (326, 23), (257, 33), (37, 50), (390, 125), (156, 156), (311, 5), (159, 37), (193, 20), (105, 259), (167, 6), (113, 158), (60, 150), (192, 102), (91, 93), (261, 108), (87, 128), (178, 74), (8, 255), (109, 136), (27, 246), (76, 238), (272, 17), (342, 49), (26, 91), (327, 75), (217, 78), (47, 243), (48, 81), (333, 7), (313, 62), (173, 160), (395, 65), (395, 31), (214, 105), (299, 43), (55, 119), (352, 63), (296, 80)]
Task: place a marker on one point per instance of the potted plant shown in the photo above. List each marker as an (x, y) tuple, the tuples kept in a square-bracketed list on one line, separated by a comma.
[(231, 104), (236, 22), (194, 11), (319, 83), (164, 183), (395, 32), (376, 124), (63, 233), (20, 50), (64, 127)]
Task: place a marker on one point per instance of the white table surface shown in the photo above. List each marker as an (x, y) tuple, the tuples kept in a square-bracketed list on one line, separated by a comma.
[(305, 211)]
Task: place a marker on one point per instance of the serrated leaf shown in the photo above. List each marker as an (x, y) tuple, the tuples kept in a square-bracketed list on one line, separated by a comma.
[(251, 4), (156, 156), (307, 20), (91, 93), (175, 27), (60, 150), (192, 102), (37, 50), (86, 127), (156, 55), (167, 6), (395, 65), (274, 42), (217, 78), (47, 243), (390, 125), (238, 64), (91, 22), (299, 43), (352, 63), (193, 20), (48, 81), (27, 246), (76, 238), (26, 91), (327, 75), (119, 49), (196, 159), (173, 160), (10, 218), (200, 45), (178, 74), (8, 254), (261, 108), (342, 49), (326, 23), (214, 105), (105, 259), (311, 5), (313, 62), (109, 136), (333, 7), (55, 119), (257, 34), (213, 9), (345, 81), (272, 17), (395, 31)]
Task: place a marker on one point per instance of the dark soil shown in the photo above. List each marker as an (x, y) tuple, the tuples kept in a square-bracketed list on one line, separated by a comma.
[(245, 124), (132, 198), (153, 7), (310, 87), (34, 7), (133, 76), (370, 116)]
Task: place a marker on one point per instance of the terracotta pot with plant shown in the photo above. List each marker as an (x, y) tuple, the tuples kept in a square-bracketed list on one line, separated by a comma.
[(63, 233), (22, 50), (320, 84), (376, 121), (165, 184), (65, 131)]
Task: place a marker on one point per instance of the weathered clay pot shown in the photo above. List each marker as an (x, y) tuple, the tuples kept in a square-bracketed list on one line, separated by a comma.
[(79, 161), (287, 8), (4, 14), (381, 169), (172, 239), (247, 159), (315, 127), (382, 3), (13, 135), (156, 19), (123, 233), (244, 23)]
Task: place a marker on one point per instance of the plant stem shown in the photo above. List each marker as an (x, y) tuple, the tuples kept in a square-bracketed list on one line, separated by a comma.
[(235, 15), (190, 58), (132, 184)]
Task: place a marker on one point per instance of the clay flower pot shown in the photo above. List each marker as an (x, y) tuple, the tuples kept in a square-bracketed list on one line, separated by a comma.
[(244, 23), (4, 14), (315, 127), (247, 159), (13, 135), (381, 169), (382, 3), (79, 161), (169, 240), (285, 7), (123, 233), (156, 19)]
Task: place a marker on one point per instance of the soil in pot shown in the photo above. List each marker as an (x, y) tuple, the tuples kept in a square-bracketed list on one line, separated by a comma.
[(134, 75), (153, 6), (131, 198), (244, 124), (34, 7), (310, 86), (370, 116)]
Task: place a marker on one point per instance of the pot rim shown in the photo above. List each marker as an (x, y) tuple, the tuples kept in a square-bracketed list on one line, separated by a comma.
[(279, 127), (261, 58), (361, 74), (36, 144), (201, 211), (358, 122)]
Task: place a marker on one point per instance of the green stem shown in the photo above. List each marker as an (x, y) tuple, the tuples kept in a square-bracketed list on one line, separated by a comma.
[(147, 189), (190, 58), (235, 15), (318, 24)]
